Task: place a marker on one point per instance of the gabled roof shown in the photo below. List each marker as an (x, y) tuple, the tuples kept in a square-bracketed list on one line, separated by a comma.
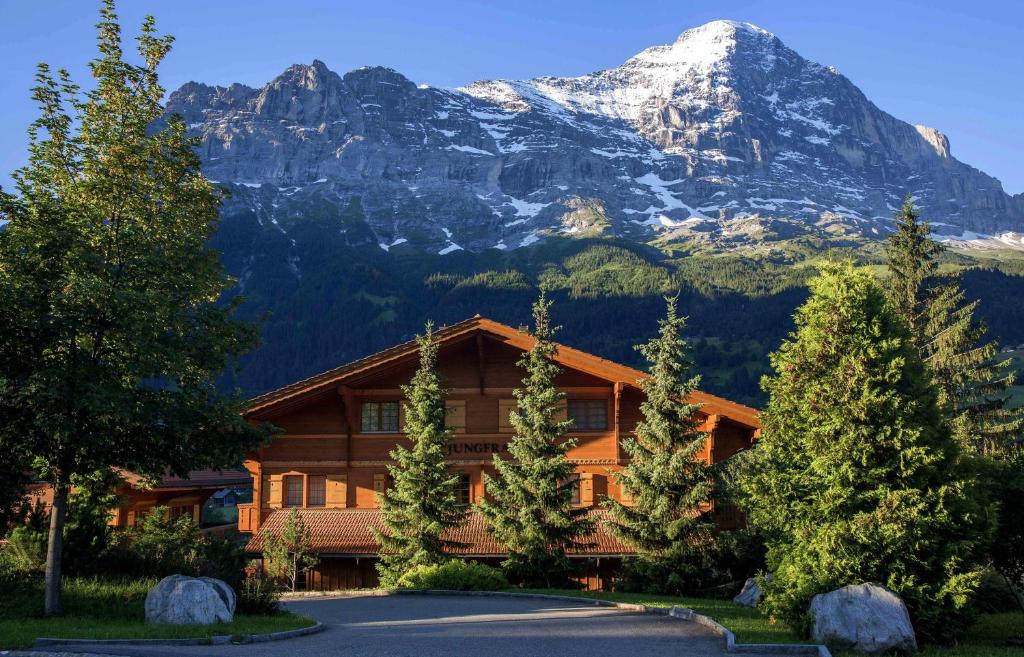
[(567, 356), (195, 479)]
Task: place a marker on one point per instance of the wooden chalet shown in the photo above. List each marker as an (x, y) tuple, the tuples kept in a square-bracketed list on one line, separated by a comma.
[(181, 496), (338, 427)]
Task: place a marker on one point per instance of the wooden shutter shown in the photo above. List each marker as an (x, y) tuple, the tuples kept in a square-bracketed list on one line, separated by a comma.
[(401, 416), (276, 500), (455, 418), (265, 491), (586, 488), (505, 408), (337, 491)]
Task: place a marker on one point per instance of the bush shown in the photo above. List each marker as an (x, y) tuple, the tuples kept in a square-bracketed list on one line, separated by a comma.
[(716, 570), (25, 550), (455, 575), (258, 594)]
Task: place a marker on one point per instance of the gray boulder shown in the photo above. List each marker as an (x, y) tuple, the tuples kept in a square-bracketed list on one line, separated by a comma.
[(182, 600), (751, 594), (865, 617)]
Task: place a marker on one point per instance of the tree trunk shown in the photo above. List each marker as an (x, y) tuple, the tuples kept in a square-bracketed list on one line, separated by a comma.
[(54, 548)]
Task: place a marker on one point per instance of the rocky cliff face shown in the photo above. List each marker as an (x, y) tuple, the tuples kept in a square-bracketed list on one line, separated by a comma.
[(726, 139)]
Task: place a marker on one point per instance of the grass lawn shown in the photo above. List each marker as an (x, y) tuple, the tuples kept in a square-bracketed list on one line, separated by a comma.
[(111, 609), (986, 638)]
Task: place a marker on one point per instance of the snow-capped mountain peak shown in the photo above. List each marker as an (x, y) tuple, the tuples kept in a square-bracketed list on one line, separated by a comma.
[(725, 138)]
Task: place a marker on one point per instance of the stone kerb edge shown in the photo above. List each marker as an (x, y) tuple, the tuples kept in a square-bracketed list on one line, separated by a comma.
[(681, 613), (217, 640)]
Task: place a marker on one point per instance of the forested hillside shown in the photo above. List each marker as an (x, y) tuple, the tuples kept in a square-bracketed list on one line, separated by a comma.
[(352, 301)]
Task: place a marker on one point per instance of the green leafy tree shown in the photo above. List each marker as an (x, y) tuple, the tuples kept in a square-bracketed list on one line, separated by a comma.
[(112, 338), (856, 477), (290, 555), (668, 482), (422, 501), (529, 508), (973, 383)]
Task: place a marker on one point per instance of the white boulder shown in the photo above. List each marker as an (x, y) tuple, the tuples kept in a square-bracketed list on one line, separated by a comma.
[(865, 617), (182, 600), (751, 594)]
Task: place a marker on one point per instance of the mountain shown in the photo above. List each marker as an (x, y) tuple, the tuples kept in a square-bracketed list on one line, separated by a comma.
[(724, 140), (362, 204)]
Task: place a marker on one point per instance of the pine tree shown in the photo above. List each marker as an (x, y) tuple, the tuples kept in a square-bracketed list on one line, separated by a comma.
[(856, 477), (111, 337), (529, 509), (290, 555), (422, 502), (667, 480), (972, 382)]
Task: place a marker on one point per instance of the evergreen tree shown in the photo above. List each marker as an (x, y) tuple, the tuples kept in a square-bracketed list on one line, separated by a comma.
[(530, 499), (422, 501), (972, 382), (856, 477), (290, 555), (667, 480), (111, 337)]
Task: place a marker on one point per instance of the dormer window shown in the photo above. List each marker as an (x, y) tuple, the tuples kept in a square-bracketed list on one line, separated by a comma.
[(379, 417)]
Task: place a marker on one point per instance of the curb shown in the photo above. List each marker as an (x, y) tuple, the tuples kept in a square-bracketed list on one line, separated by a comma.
[(681, 613), (217, 640)]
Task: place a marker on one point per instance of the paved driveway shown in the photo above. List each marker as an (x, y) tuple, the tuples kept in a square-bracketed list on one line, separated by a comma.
[(463, 626)]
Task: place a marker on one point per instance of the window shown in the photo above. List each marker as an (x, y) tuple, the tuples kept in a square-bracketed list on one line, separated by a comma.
[(293, 490), (379, 417), (588, 414), (462, 490), (180, 510), (317, 494)]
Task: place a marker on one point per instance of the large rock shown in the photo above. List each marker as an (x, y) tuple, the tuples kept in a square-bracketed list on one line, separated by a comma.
[(865, 617), (751, 594), (181, 600)]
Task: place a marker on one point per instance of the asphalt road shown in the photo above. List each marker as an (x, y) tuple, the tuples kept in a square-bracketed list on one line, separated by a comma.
[(464, 626)]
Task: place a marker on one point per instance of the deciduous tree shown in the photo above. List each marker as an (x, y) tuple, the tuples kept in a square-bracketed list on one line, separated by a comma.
[(112, 338)]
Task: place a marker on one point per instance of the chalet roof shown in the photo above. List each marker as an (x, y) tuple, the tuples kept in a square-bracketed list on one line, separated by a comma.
[(349, 532), (195, 479), (566, 356)]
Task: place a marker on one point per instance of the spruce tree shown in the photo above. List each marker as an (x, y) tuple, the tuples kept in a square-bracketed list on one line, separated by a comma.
[(972, 383), (529, 508), (857, 477), (111, 336), (422, 501), (667, 480)]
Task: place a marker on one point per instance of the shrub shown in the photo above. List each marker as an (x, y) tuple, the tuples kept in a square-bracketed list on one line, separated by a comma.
[(258, 594), (25, 550), (455, 575)]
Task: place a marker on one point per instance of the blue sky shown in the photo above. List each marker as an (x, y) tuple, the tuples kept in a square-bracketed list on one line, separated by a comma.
[(956, 66)]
